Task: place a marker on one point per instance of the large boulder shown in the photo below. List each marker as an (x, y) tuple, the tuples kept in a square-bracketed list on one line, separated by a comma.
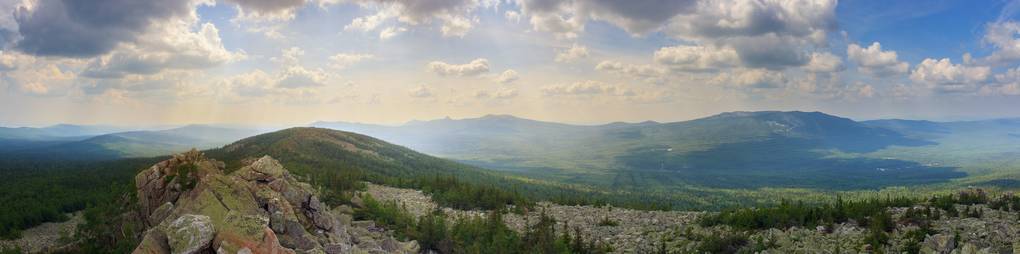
[(938, 243), (190, 234)]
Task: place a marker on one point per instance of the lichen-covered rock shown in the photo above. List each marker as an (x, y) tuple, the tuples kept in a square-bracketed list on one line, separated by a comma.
[(938, 243), (160, 213), (190, 206), (166, 181), (190, 234)]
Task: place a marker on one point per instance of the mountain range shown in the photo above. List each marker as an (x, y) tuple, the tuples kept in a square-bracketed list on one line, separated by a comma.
[(735, 149), (76, 143)]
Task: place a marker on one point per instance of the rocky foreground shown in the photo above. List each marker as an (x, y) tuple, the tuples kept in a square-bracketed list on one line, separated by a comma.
[(632, 231), (190, 206)]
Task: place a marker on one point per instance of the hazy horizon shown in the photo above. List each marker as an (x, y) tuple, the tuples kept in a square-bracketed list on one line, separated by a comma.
[(265, 125)]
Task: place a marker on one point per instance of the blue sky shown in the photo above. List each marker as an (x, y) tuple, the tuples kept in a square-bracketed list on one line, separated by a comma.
[(577, 61)]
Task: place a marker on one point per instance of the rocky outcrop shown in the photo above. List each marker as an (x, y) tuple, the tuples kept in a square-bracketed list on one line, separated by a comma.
[(190, 206)]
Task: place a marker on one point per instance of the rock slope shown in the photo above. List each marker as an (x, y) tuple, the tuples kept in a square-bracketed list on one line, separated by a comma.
[(633, 231), (191, 206)]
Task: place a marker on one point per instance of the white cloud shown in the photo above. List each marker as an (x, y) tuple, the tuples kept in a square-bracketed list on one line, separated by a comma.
[(696, 58), (456, 27), (1006, 83), (170, 46), (586, 88), (35, 88), (298, 77), (501, 94), (454, 16), (557, 24), (874, 61), (289, 56), (344, 60), (647, 73), (572, 54), (474, 68), (391, 32), (274, 10), (944, 76), (513, 16), (824, 62), (369, 23), (751, 79), (1003, 36), (507, 77), (420, 92), (866, 91)]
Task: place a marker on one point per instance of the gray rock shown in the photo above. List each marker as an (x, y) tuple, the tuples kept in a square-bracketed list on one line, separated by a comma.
[(161, 213), (390, 245), (938, 243), (190, 234)]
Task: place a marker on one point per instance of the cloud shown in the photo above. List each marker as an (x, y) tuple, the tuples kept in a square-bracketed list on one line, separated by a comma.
[(420, 92), (252, 84), (1003, 37), (267, 9), (637, 18), (723, 18), (572, 54), (289, 56), (8, 61), (647, 73), (751, 79), (369, 23), (512, 16), (298, 77), (391, 32), (586, 88), (501, 94), (507, 77), (1006, 83), (344, 60), (566, 19), (454, 16), (557, 24), (474, 68), (82, 29), (38, 76), (944, 76), (168, 46), (696, 58), (873, 61), (824, 62), (765, 34), (456, 27), (293, 85), (260, 84)]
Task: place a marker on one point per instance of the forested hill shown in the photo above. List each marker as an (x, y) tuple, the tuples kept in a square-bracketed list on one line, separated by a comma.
[(339, 160)]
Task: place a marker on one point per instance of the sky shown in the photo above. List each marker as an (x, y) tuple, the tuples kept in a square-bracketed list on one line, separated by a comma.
[(142, 62)]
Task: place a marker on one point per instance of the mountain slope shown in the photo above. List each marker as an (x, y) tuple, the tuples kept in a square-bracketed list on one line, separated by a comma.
[(738, 149), (339, 160), (57, 132), (143, 143)]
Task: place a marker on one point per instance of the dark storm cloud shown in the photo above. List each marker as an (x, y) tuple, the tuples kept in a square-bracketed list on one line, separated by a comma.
[(73, 28)]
